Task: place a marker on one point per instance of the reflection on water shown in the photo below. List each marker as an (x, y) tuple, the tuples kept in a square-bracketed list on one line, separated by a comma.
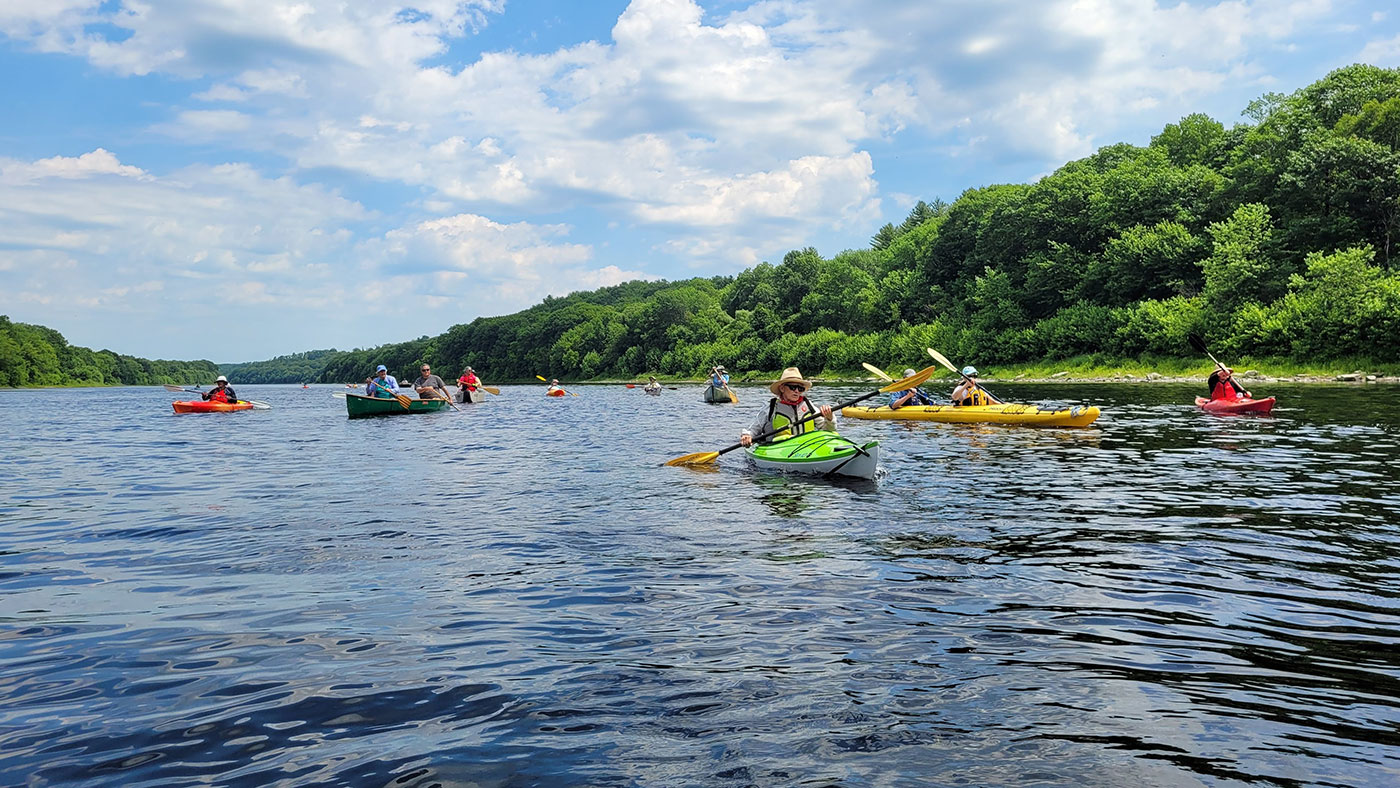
[(521, 594)]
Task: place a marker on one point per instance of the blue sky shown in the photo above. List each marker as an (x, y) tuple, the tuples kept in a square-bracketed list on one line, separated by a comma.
[(233, 181)]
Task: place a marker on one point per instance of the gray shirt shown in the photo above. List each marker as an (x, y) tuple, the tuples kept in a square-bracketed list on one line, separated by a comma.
[(429, 382)]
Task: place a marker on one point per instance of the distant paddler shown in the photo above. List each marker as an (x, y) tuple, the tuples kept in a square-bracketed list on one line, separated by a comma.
[(652, 387)]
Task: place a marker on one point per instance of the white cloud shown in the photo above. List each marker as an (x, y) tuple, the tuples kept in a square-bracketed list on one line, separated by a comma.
[(1384, 52)]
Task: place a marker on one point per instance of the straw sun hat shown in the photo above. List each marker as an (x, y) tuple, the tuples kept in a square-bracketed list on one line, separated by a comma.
[(790, 375)]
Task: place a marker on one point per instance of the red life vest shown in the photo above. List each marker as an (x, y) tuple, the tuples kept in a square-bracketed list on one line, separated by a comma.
[(470, 381), (1223, 390), (219, 395)]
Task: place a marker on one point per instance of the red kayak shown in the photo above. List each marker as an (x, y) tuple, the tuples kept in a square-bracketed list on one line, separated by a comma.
[(554, 393), (200, 406), (1236, 405)]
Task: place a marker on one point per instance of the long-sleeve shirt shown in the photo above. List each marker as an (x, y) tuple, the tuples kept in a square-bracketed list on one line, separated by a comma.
[(764, 422), (919, 398), (387, 382), (227, 394)]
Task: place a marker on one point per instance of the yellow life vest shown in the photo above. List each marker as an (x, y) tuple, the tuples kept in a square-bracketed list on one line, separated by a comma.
[(781, 422), (977, 397)]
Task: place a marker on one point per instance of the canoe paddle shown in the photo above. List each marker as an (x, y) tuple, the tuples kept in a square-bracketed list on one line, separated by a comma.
[(707, 457), (402, 399), (945, 362), (733, 399), (256, 403), (561, 388)]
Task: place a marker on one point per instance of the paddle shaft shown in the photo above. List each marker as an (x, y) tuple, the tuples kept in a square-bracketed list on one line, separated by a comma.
[(949, 365), (402, 400)]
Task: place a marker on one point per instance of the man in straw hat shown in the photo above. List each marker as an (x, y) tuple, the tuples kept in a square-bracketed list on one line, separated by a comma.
[(789, 406)]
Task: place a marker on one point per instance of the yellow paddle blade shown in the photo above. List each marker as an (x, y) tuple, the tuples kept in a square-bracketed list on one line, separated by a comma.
[(913, 381), (879, 373), (940, 359), (541, 377), (491, 390), (698, 458)]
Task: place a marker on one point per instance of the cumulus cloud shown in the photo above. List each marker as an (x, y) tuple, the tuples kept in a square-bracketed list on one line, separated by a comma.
[(92, 239)]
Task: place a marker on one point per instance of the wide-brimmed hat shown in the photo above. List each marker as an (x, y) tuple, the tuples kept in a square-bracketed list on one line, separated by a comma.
[(221, 379), (790, 375)]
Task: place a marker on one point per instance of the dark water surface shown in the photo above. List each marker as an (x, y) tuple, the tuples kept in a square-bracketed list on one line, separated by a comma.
[(520, 595)]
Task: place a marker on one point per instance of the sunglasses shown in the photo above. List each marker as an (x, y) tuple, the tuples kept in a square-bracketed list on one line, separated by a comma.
[(794, 387)]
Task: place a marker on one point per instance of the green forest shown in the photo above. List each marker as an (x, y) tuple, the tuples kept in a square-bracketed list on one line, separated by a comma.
[(1275, 238), (37, 356)]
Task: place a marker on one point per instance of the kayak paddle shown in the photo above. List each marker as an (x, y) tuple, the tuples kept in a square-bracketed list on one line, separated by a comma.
[(945, 362), (256, 403), (707, 457), (1199, 344), (879, 373), (561, 388)]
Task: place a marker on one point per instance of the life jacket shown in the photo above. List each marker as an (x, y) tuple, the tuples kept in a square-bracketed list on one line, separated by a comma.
[(977, 397), (1224, 390), (219, 395), (470, 381), (781, 422)]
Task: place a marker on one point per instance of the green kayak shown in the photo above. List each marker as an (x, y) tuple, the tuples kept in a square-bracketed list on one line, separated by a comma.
[(360, 406), (818, 452)]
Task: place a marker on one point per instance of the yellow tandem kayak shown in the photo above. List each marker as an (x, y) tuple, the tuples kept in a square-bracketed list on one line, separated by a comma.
[(1004, 413)]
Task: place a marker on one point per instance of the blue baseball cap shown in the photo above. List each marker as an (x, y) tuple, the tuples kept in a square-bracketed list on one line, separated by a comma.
[(970, 371), (381, 368)]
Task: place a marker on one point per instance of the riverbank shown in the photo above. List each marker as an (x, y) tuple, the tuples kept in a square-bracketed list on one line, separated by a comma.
[(1089, 369)]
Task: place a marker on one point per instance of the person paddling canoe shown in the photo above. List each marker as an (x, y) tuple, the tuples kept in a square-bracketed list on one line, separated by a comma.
[(914, 396), (467, 386), (789, 406), (430, 386), (652, 387), (969, 393), (1222, 385), (222, 392), (382, 385)]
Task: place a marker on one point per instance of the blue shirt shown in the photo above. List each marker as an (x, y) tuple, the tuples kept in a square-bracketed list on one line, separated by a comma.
[(387, 382), (719, 381), (920, 398)]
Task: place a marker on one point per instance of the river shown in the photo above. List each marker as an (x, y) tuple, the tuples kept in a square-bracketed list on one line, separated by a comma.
[(521, 594)]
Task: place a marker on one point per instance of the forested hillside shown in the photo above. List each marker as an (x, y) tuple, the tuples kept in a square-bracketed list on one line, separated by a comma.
[(37, 356), (294, 368), (1273, 238)]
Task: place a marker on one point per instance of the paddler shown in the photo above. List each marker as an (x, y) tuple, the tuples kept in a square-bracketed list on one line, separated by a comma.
[(382, 385), (969, 393), (788, 406), (430, 386), (719, 378), (222, 391), (1222, 385), (652, 385), (469, 383), (553, 386), (914, 396)]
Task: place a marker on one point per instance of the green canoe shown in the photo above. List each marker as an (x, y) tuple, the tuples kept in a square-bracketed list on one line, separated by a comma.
[(360, 407)]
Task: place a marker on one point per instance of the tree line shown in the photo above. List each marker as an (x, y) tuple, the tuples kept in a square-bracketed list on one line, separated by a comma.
[(33, 355), (1273, 238)]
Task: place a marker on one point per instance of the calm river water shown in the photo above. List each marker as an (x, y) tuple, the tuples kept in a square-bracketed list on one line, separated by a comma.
[(521, 595)]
